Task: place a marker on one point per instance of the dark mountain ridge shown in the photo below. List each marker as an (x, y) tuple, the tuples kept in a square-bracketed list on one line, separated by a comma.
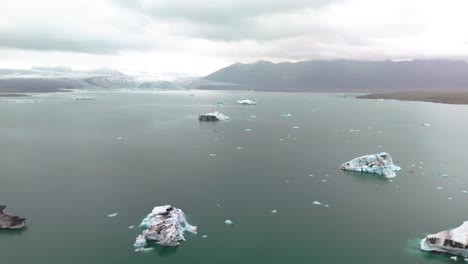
[(344, 75)]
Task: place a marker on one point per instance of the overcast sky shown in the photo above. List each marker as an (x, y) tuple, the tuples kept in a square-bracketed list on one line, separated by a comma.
[(200, 36)]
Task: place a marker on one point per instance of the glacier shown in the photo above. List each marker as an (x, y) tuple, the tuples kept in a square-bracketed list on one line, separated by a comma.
[(380, 163), (453, 241), (165, 225)]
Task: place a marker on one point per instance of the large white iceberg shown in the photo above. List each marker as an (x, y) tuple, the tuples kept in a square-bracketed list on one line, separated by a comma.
[(454, 241), (165, 225), (380, 163), (215, 116), (246, 101)]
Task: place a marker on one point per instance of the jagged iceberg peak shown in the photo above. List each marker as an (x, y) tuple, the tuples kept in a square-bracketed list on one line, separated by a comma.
[(214, 116), (454, 241), (8, 221), (380, 163), (246, 101), (165, 225)]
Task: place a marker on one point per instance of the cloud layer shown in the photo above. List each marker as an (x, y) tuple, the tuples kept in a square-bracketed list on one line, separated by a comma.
[(201, 35)]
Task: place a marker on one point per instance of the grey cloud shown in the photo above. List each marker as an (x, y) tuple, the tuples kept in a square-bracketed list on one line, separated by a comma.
[(224, 20), (41, 41)]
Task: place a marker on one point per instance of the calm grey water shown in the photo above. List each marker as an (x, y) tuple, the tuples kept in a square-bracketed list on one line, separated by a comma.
[(63, 167)]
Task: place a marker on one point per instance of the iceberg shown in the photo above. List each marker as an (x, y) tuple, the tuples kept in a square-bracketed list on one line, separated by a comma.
[(165, 225), (380, 163), (84, 98), (246, 101), (454, 241), (215, 116), (10, 221)]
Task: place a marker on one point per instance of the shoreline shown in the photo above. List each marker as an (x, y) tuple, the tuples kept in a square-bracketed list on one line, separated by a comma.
[(443, 97)]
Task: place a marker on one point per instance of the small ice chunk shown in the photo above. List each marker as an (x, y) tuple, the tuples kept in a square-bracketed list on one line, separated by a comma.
[(311, 175), (213, 155), (248, 130), (252, 116), (440, 188), (464, 191), (324, 180), (228, 222), (220, 103), (204, 236), (119, 138), (453, 258), (239, 148), (317, 203), (273, 211), (286, 115), (426, 124), (131, 227), (215, 116), (246, 101), (296, 127), (112, 215)]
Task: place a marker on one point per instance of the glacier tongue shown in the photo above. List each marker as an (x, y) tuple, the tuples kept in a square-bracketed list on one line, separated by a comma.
[(454, 241), (380, 163), (165, 225)]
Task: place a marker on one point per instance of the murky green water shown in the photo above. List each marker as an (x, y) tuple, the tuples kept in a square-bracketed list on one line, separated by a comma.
[(63, 167)]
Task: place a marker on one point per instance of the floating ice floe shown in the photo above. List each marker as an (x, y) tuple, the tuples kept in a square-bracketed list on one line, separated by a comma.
[(239, 148), (286, 115), (220, 103), (273, 211), (112, 215), (454, 241), (84, 98), (380, 163), (165, 225), (248, 130), (204, 236), (131, 227), (426, 124), (317, 203), (228, 222), (252, 116), (246, 101), (215, 116), (296, 127)]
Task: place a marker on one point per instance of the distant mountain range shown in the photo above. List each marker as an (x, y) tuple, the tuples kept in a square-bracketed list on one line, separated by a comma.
[(343, 75), (338, 75)]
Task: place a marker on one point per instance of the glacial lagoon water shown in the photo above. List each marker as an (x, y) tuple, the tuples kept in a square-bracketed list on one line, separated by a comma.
[(66, 165)]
